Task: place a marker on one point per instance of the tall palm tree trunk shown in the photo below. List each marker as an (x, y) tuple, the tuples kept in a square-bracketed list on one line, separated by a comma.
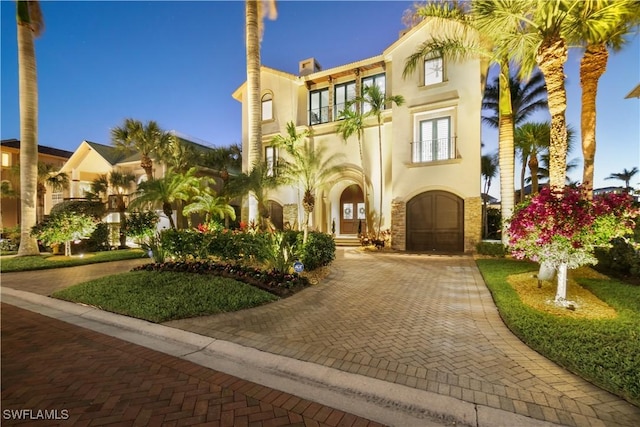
[(592, 66), (551, 56), (28, 87), (506, 149), (253, 81), (533, 167)]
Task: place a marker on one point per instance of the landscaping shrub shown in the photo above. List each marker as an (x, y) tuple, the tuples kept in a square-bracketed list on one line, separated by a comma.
[(232, 245), (622, 258), (277, 283), (98, 241), (320, 250), (496, 249), (93, 209)]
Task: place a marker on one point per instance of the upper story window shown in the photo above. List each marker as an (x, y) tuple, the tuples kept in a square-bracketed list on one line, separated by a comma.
[(267, 107), (319, 106), (377, 80), (270, 156), (433, 71), (344, 93), (6, 160), (56, 198), (434, 141)]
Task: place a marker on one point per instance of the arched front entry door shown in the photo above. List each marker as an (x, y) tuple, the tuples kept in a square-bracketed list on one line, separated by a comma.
[(435, 222), (352, 213)]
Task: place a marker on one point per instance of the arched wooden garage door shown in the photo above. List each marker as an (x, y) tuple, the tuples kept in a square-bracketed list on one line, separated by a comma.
[(435, 222)]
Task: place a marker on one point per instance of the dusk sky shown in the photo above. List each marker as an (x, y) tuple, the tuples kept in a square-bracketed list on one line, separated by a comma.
[(179, 62)]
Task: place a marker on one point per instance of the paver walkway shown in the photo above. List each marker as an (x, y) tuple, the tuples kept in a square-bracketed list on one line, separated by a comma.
[(427, 322), (84, 378)]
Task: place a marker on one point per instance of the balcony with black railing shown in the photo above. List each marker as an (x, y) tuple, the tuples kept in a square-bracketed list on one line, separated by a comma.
[(433, 150)]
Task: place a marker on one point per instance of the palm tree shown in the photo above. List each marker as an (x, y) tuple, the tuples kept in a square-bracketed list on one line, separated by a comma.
[(308, 168), (489, 170), (149, 140), (377, 101), (626, 176), (48, 175), (211, 205), (539, 38), (538, 138), (255, 10), (352, 122), (166, 191), (531, 139), (30, 25), (601, 25), (527, 97), (258, 182), (119, 182)]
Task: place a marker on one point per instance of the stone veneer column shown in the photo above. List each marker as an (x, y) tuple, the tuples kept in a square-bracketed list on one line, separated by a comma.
[(472, 223), (290, 215), (398, 225)]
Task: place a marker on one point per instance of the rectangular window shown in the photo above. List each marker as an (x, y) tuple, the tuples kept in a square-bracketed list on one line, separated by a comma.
[(6, 160), (433, 71), (270, 156), (377, 80), (344, 94), (435, 141), (319, 106)]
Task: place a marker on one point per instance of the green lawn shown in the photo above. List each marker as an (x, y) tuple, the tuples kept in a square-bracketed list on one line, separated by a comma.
[(163, 296), (44, 261), (604, 352)]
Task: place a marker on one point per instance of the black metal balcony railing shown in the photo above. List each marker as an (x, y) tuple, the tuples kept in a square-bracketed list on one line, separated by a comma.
[(432, 150)]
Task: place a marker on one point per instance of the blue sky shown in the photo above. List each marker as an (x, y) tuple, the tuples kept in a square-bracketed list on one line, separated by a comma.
[(179, 62)]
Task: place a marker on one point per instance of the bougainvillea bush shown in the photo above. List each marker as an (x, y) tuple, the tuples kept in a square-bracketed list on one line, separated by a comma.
[(556, 227), (562, 229)]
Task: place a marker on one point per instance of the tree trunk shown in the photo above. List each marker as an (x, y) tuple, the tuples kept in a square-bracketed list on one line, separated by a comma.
[(551, 56), (167, 209), (506, 150), (147, 164), (254, 116), (28, 86), (592, 67), (533, 168), (561, 291)]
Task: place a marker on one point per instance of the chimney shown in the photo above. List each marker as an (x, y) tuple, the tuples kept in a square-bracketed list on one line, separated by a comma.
[(309, 66)]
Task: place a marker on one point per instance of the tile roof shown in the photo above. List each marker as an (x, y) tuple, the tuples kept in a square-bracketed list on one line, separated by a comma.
[(42, 149)]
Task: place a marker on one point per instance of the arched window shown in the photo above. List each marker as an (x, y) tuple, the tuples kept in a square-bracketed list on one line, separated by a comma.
[(267, 106)]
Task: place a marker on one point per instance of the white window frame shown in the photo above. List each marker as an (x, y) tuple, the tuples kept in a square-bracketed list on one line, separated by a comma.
[(434, 149)]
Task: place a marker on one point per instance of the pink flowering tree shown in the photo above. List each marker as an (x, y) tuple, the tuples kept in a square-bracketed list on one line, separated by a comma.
[(561, 229)]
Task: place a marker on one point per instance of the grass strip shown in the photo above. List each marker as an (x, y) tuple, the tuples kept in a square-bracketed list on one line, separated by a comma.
[(163, 296), (45, 261), (605, 352)]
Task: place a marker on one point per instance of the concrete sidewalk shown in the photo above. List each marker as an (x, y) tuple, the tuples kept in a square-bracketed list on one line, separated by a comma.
[(399, 339)]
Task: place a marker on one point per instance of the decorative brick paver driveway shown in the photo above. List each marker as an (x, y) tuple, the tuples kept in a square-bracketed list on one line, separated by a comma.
[(83, 378), (427, 322)]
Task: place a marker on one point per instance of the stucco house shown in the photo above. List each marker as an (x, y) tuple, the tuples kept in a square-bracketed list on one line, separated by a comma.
[(91, 160), (431, 191), (10, 154)]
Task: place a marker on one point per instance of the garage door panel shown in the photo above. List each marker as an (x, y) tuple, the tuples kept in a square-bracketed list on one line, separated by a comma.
[(435, 222)]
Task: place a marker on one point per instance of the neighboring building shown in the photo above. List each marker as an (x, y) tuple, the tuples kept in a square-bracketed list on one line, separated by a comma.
[(92, 160), (431, 145), (10, 156)]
